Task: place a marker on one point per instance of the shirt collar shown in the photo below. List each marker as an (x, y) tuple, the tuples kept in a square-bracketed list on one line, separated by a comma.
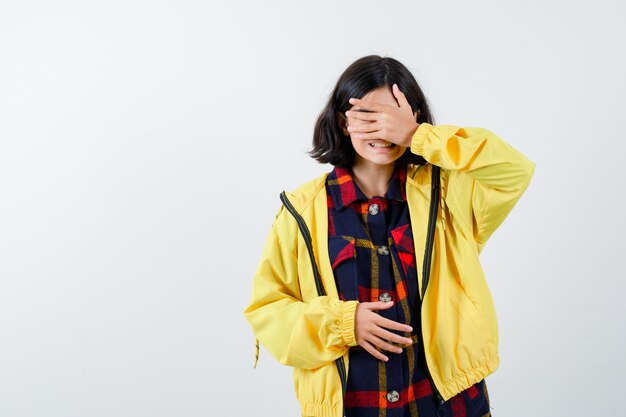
[(344, 190)]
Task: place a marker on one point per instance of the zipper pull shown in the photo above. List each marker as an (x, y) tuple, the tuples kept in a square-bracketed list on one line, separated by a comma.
[(441, 410), (256, 355)]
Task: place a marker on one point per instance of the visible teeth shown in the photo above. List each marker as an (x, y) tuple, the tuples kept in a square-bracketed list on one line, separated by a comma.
[(380, 145)]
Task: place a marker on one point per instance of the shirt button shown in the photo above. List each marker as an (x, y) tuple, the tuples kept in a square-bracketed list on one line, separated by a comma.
[(393, 396), (373, 208), (383, 250), (385, 297)]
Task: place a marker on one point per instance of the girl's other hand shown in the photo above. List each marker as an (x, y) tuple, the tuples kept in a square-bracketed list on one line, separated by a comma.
[(370, 330)]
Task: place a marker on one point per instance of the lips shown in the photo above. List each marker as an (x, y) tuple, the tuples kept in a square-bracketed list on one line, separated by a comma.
[(388, 145)]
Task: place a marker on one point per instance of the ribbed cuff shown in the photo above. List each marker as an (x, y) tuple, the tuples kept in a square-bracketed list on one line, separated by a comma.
[(347, 322), (420, 135)]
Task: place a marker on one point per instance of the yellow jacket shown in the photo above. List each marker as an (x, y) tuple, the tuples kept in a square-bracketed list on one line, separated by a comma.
[(481, 178)]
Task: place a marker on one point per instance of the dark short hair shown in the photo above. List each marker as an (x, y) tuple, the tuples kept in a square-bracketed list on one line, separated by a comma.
[(330, 145)]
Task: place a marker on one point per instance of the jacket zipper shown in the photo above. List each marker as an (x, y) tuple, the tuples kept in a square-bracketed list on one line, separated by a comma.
[(432, 218), (341, 367)]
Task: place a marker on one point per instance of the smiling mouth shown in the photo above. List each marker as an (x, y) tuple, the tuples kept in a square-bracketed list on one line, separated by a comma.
[(382, 144)]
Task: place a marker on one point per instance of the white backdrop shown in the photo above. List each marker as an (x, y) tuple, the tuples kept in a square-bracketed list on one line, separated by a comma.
[(144, 144)]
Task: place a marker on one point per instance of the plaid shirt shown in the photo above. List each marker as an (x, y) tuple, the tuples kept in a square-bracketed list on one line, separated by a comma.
[(373, 259)]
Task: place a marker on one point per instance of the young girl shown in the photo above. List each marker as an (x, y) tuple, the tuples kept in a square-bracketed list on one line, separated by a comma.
[(381, 254)]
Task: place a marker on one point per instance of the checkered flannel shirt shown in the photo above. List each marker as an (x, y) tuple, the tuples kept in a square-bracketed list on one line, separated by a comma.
[(372, 255)]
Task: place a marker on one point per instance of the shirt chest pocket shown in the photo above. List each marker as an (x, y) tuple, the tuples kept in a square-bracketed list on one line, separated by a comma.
[(402, 238), (342, 253)]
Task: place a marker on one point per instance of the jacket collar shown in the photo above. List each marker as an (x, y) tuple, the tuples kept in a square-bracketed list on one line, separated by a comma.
[(344, 190), (304, 196)]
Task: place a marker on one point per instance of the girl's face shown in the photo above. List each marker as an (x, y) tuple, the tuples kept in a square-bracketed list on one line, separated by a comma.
[(365, 151)]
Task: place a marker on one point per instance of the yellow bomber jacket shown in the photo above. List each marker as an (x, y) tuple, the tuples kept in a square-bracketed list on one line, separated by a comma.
[(481, 178)]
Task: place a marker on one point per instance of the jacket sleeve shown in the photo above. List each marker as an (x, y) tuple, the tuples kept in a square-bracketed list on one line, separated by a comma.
[(299, 334), (484, 169)]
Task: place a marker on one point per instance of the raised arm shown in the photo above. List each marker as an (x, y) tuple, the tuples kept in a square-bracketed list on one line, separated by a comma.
[(484, 170)]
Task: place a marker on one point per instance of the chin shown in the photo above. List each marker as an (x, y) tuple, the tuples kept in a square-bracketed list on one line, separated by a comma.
[(381, 159)]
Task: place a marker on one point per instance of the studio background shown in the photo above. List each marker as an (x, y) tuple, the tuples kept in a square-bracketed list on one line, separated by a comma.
[(143, 147)]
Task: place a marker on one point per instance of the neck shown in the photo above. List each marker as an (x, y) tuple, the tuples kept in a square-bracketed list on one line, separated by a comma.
[(372, 179)]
